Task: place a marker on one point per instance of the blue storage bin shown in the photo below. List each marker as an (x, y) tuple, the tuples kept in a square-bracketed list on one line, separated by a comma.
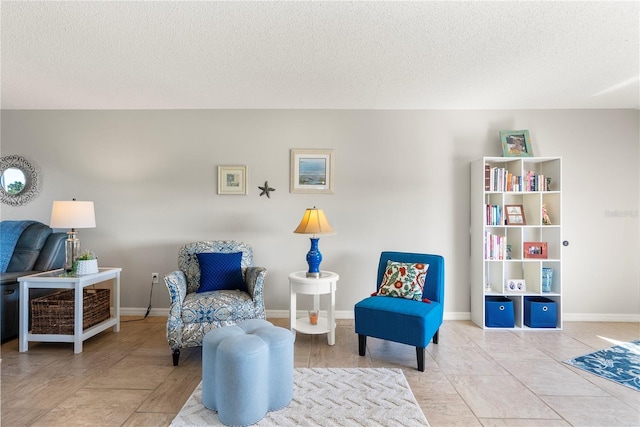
[(498, 312), (540, 312)]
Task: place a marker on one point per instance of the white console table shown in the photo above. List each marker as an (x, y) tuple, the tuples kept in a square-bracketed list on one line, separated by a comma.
[(299, 283), (55, 280)]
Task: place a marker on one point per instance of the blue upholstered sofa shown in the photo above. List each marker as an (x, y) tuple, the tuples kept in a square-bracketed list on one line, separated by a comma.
[(26, 247)]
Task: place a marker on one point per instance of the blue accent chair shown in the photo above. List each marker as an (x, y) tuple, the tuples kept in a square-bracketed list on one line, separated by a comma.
[(402, 320), (193, 314)]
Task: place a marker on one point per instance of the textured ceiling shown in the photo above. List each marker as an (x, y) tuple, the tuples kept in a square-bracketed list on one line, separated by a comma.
[(327, 55)]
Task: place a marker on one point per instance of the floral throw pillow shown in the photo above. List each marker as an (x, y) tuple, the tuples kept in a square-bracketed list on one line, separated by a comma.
[(404, 280)]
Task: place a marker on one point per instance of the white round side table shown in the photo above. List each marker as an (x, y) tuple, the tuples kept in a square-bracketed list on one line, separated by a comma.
[(299, 283)]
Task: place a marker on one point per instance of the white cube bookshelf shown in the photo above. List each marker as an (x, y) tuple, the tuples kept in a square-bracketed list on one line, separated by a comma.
[(522, 181)]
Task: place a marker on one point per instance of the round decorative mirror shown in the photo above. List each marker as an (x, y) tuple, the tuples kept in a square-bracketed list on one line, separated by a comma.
[(19, 181), (13, 181)]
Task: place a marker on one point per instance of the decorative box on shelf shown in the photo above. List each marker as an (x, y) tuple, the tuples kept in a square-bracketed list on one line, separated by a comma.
[(499, 312), (54, 314), (540, 312)]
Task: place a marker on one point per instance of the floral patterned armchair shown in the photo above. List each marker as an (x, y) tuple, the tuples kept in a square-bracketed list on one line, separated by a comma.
[(192, 314)]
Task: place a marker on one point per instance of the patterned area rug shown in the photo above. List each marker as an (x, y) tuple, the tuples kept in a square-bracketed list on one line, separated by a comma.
[(620, 364), (330, 397)]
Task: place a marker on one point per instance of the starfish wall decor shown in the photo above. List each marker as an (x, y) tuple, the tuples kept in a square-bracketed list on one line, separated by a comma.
[(266, 189)]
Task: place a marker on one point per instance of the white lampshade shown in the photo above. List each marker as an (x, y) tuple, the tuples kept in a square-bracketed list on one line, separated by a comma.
[(72, 214), (314, 222)]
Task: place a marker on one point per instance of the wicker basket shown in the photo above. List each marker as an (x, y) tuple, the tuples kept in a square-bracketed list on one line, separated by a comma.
[(54, 314)]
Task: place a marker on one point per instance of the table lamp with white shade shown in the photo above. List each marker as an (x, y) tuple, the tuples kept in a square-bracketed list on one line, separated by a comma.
[(314, 222), (72, 214)]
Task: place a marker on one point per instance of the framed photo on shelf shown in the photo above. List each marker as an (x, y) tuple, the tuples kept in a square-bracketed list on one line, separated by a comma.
[(515, 285), (311, 171), (535, 250), (232, 179), (514, 215), (516, 143)]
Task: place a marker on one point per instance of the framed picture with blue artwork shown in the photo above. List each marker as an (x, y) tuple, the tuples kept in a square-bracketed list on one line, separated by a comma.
[(232, 179), (311, 171)]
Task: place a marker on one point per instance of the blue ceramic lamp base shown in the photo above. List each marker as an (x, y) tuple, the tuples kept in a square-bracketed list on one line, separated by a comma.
[(314, 258)]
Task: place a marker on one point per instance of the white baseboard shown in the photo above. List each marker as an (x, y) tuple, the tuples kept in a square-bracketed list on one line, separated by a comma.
[(459, 315), (348, 314), (135, 311), (600, 317)]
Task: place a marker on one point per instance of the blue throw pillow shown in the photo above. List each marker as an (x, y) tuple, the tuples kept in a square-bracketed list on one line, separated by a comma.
[(219, 271)]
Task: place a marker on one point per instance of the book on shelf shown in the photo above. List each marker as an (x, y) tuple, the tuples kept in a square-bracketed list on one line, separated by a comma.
[(497, 179), (495, 246), (487, 177), (493, 215), (500, 179)]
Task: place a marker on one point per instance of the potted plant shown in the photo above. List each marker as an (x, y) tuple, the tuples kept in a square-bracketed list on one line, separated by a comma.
[(87, 263)]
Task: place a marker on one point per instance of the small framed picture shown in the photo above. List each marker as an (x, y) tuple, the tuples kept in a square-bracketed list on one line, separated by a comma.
[(515, 285), (232, 179), (311, 171), (516, 143), (535, 250), (514, 215)]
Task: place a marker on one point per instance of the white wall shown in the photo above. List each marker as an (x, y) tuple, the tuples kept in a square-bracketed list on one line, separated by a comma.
[(401, 183)]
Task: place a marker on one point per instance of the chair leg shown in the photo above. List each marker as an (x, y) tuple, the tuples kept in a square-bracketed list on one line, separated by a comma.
[(420, 353), (176, 356), (435, 337), (362, 344)]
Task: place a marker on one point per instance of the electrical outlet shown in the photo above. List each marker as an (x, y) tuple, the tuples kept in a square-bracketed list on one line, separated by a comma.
[(154, 278)]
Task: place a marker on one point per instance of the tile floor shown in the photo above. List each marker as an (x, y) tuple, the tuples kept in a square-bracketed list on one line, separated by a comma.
[(473, 377)]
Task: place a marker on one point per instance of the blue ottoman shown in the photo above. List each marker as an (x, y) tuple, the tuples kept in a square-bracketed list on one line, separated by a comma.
[(247, 371)]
